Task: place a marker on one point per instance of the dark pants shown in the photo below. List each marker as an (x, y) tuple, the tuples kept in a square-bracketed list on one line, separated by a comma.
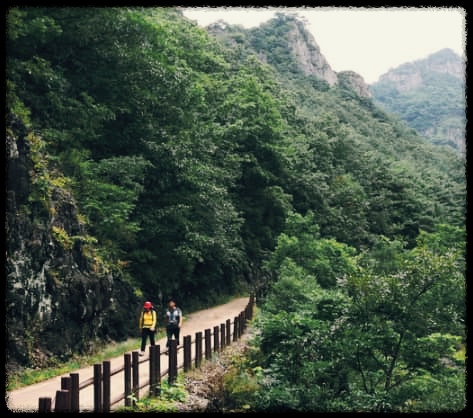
[(144, 335), (172, 330)]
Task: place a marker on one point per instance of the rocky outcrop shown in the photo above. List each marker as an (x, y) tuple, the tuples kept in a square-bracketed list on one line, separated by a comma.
[(57, 302), (404, 81), (412, 75), (355, 82), (308, 56), (429, 94), (290, 47)]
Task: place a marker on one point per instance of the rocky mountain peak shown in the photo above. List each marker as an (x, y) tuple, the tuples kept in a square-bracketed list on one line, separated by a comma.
[(446, 61), (355, 82), (287, 44), (412, 74), (308, 55), (429, 94)]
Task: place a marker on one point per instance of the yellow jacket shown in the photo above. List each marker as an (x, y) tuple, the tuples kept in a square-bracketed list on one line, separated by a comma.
[(148, 320)]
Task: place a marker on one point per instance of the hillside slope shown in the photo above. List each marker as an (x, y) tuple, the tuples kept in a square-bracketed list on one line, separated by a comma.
[(341, 140)]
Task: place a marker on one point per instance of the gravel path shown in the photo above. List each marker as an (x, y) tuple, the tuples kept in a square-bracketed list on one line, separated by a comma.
[(26, 399)]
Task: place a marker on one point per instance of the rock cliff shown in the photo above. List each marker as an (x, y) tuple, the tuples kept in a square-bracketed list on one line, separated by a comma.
[(429, 94), (354, 81), (282, 42), (307, 54), (58, 300), (285, 43), (412, 75)]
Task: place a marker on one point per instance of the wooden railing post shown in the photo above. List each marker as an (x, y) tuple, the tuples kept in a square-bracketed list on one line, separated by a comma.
[(74, 392), (44, 405), (237, 320), (216, 339), (157, 362), (208, 342), (136, 374), (187, 353), (152, 377), (235, 329), (97, 388), (228, 331), (172, 373), (63, 401), (127, 379), (106, 386), (152, 370), (222, 336), (198, 349), (252, 303), (66, 385)]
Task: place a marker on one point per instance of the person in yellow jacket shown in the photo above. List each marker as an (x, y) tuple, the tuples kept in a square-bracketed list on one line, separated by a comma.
[(147, 325)]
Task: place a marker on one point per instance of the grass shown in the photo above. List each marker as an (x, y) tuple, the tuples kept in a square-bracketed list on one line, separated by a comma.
[(171, 396)]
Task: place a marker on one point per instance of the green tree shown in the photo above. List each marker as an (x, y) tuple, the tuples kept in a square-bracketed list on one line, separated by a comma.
[(254, 124), (325, 259), (401, 322), (369, 343)]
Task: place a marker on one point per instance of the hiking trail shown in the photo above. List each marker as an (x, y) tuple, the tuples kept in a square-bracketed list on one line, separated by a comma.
[(26, 399)]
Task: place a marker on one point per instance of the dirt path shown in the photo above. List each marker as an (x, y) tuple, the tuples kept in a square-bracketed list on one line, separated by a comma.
[(26, 399)]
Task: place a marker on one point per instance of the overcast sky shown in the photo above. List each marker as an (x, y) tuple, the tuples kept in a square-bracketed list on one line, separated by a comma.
[(368, 41)]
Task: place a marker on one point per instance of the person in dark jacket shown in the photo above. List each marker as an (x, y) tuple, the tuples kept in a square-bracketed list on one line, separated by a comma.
[(174, 318)]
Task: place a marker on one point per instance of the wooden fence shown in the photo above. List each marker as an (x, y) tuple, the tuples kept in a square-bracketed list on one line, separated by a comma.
[(67, 398)]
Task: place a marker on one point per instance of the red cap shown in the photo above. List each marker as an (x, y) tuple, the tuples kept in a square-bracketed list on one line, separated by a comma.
[(148, 305)]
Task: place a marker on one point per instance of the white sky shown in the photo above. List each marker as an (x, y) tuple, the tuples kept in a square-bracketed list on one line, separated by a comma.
[(368, 41)]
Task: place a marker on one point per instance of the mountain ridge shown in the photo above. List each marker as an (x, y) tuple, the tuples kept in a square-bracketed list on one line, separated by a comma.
[(298, 45)]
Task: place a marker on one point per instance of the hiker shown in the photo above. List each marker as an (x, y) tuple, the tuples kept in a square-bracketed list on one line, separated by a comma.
[(147, 325), (174, 317)]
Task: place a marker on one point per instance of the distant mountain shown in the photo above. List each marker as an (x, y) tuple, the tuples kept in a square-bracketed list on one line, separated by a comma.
[(429, 95)]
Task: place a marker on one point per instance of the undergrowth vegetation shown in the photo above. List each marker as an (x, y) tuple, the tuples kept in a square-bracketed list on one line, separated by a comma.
[(171, 396)]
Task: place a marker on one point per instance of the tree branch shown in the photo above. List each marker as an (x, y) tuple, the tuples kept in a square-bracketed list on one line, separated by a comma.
[(387, 386), (361, 371)]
